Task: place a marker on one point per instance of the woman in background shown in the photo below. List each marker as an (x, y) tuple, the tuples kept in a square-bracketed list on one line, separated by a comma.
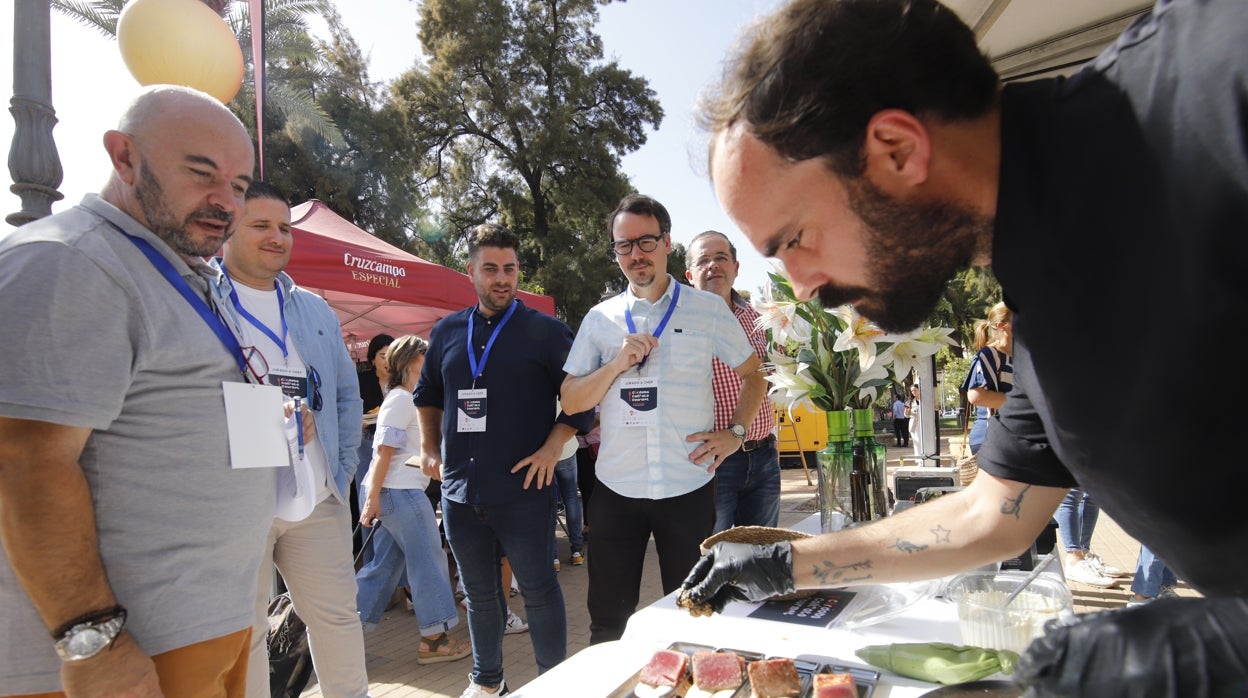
[(407, 538), (916, 420), (992, 374)]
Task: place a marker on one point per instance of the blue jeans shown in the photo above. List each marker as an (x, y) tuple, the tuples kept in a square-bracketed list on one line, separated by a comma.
[(1076, 520), (1151, 574), (979, 431), (407, 541), (565, 477), (747, 489), (521, 530)]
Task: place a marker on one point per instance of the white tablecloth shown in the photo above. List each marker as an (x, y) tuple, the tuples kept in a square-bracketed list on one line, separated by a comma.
[(600, 669)]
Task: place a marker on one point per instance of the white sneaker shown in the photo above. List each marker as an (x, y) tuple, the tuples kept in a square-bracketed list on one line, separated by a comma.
[(1105, 570), (476, 691), (1165, 593), (557, 565), (1084, 573), (515, 624)]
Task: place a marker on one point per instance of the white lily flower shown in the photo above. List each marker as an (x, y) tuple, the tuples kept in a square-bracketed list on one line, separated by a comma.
[(828, 367), (860, 333), (781, 319), (908, 351), (877, 371)]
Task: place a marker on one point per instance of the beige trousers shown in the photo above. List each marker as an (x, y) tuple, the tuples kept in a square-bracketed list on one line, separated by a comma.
[(314, 559)]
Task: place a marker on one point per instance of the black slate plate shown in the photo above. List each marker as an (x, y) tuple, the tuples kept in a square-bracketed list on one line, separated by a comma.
[(989, 688)]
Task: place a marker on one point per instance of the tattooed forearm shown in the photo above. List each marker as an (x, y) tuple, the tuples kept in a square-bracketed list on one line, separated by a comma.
[(941, 533), (906, 546), (1012, 507), (830, 574)]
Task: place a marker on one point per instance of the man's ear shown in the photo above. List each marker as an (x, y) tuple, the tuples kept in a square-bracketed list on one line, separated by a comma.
[(688, 276), (123, 154), (897, 149)]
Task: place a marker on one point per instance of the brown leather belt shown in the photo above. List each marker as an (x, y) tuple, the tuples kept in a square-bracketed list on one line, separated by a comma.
[(758, 443)]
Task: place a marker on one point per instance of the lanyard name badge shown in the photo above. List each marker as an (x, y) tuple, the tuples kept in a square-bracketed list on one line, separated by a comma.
[(471, 403), (253, 415), (294, 383), (256, 322), (640, 394)]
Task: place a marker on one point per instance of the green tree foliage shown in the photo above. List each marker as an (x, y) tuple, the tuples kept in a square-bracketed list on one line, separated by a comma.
[(520, 120), (967, 298), (364, 176)]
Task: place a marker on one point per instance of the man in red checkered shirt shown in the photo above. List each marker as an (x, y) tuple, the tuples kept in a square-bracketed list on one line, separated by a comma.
[(747, 483)]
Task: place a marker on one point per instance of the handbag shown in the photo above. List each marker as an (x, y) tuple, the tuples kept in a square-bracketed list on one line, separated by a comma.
[(968, 465), (290, 657)]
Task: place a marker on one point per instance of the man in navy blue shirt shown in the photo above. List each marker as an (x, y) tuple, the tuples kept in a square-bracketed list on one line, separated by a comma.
[(486, 398)]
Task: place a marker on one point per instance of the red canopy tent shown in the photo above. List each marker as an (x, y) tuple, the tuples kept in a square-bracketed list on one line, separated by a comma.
[(372, 285)]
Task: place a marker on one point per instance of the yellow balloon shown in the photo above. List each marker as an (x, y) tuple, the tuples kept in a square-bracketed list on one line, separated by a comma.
[(180, 42)]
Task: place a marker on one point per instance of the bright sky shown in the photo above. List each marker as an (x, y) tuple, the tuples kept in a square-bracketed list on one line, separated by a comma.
[(678, 46)]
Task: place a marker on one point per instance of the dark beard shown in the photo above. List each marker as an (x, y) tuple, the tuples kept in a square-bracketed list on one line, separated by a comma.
[(912, 252), (164, 223)]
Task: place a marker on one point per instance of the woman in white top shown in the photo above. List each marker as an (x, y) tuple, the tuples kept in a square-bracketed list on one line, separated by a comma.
[(916, 420), (408, 530)]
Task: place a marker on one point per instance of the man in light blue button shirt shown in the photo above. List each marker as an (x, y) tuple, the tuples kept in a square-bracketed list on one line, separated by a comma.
[(645, 356)]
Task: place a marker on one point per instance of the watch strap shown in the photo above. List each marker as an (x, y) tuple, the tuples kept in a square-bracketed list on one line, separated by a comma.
[(100, 616)]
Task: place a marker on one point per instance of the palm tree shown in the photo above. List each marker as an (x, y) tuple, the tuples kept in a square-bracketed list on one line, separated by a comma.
[(292, 56)]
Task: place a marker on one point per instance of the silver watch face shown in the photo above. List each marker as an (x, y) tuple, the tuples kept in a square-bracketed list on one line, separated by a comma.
[(86, 640), (85, 643), (737, 431)]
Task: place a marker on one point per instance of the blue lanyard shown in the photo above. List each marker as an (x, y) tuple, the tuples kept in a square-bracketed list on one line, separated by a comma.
[(299, 423), (165, 267), (632, 328), (479, 368), (281, 308)]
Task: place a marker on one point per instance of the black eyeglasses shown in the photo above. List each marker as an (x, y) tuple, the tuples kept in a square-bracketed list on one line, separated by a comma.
[(257, 366), (647, 243), (317, 402)]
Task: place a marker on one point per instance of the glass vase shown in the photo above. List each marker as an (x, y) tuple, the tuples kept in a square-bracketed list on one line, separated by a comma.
[(836, 466), (870, 459)]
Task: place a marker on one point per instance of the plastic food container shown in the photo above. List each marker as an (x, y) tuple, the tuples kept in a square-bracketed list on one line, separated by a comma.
[(979, 595)]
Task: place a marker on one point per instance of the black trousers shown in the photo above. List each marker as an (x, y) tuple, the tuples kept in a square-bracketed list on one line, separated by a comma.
[(901, 431), (586, 477), (622, 527)]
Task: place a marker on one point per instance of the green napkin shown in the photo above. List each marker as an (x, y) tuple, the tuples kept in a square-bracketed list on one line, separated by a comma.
[(939, 662)]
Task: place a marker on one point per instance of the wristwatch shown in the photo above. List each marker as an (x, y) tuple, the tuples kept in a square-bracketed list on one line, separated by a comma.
[(85, 639), (737, 431)]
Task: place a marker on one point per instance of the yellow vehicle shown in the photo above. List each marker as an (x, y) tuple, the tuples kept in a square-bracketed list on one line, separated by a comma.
[(805, 432)]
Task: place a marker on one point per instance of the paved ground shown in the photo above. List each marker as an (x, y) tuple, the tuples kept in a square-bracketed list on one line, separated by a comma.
[(391, 648)]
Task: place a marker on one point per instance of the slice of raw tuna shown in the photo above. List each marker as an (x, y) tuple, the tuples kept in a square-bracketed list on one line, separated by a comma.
[(774, 678), (665, 668), (835, 686), (716, 671)]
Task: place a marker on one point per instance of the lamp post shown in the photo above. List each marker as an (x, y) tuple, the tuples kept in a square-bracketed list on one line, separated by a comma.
[(34, 164)]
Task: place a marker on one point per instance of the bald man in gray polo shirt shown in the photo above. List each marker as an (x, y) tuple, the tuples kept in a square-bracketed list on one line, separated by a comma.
[(127, 533)]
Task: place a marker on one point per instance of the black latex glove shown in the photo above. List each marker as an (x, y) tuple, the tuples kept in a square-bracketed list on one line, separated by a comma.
[(740, 572), (1188, 648)]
